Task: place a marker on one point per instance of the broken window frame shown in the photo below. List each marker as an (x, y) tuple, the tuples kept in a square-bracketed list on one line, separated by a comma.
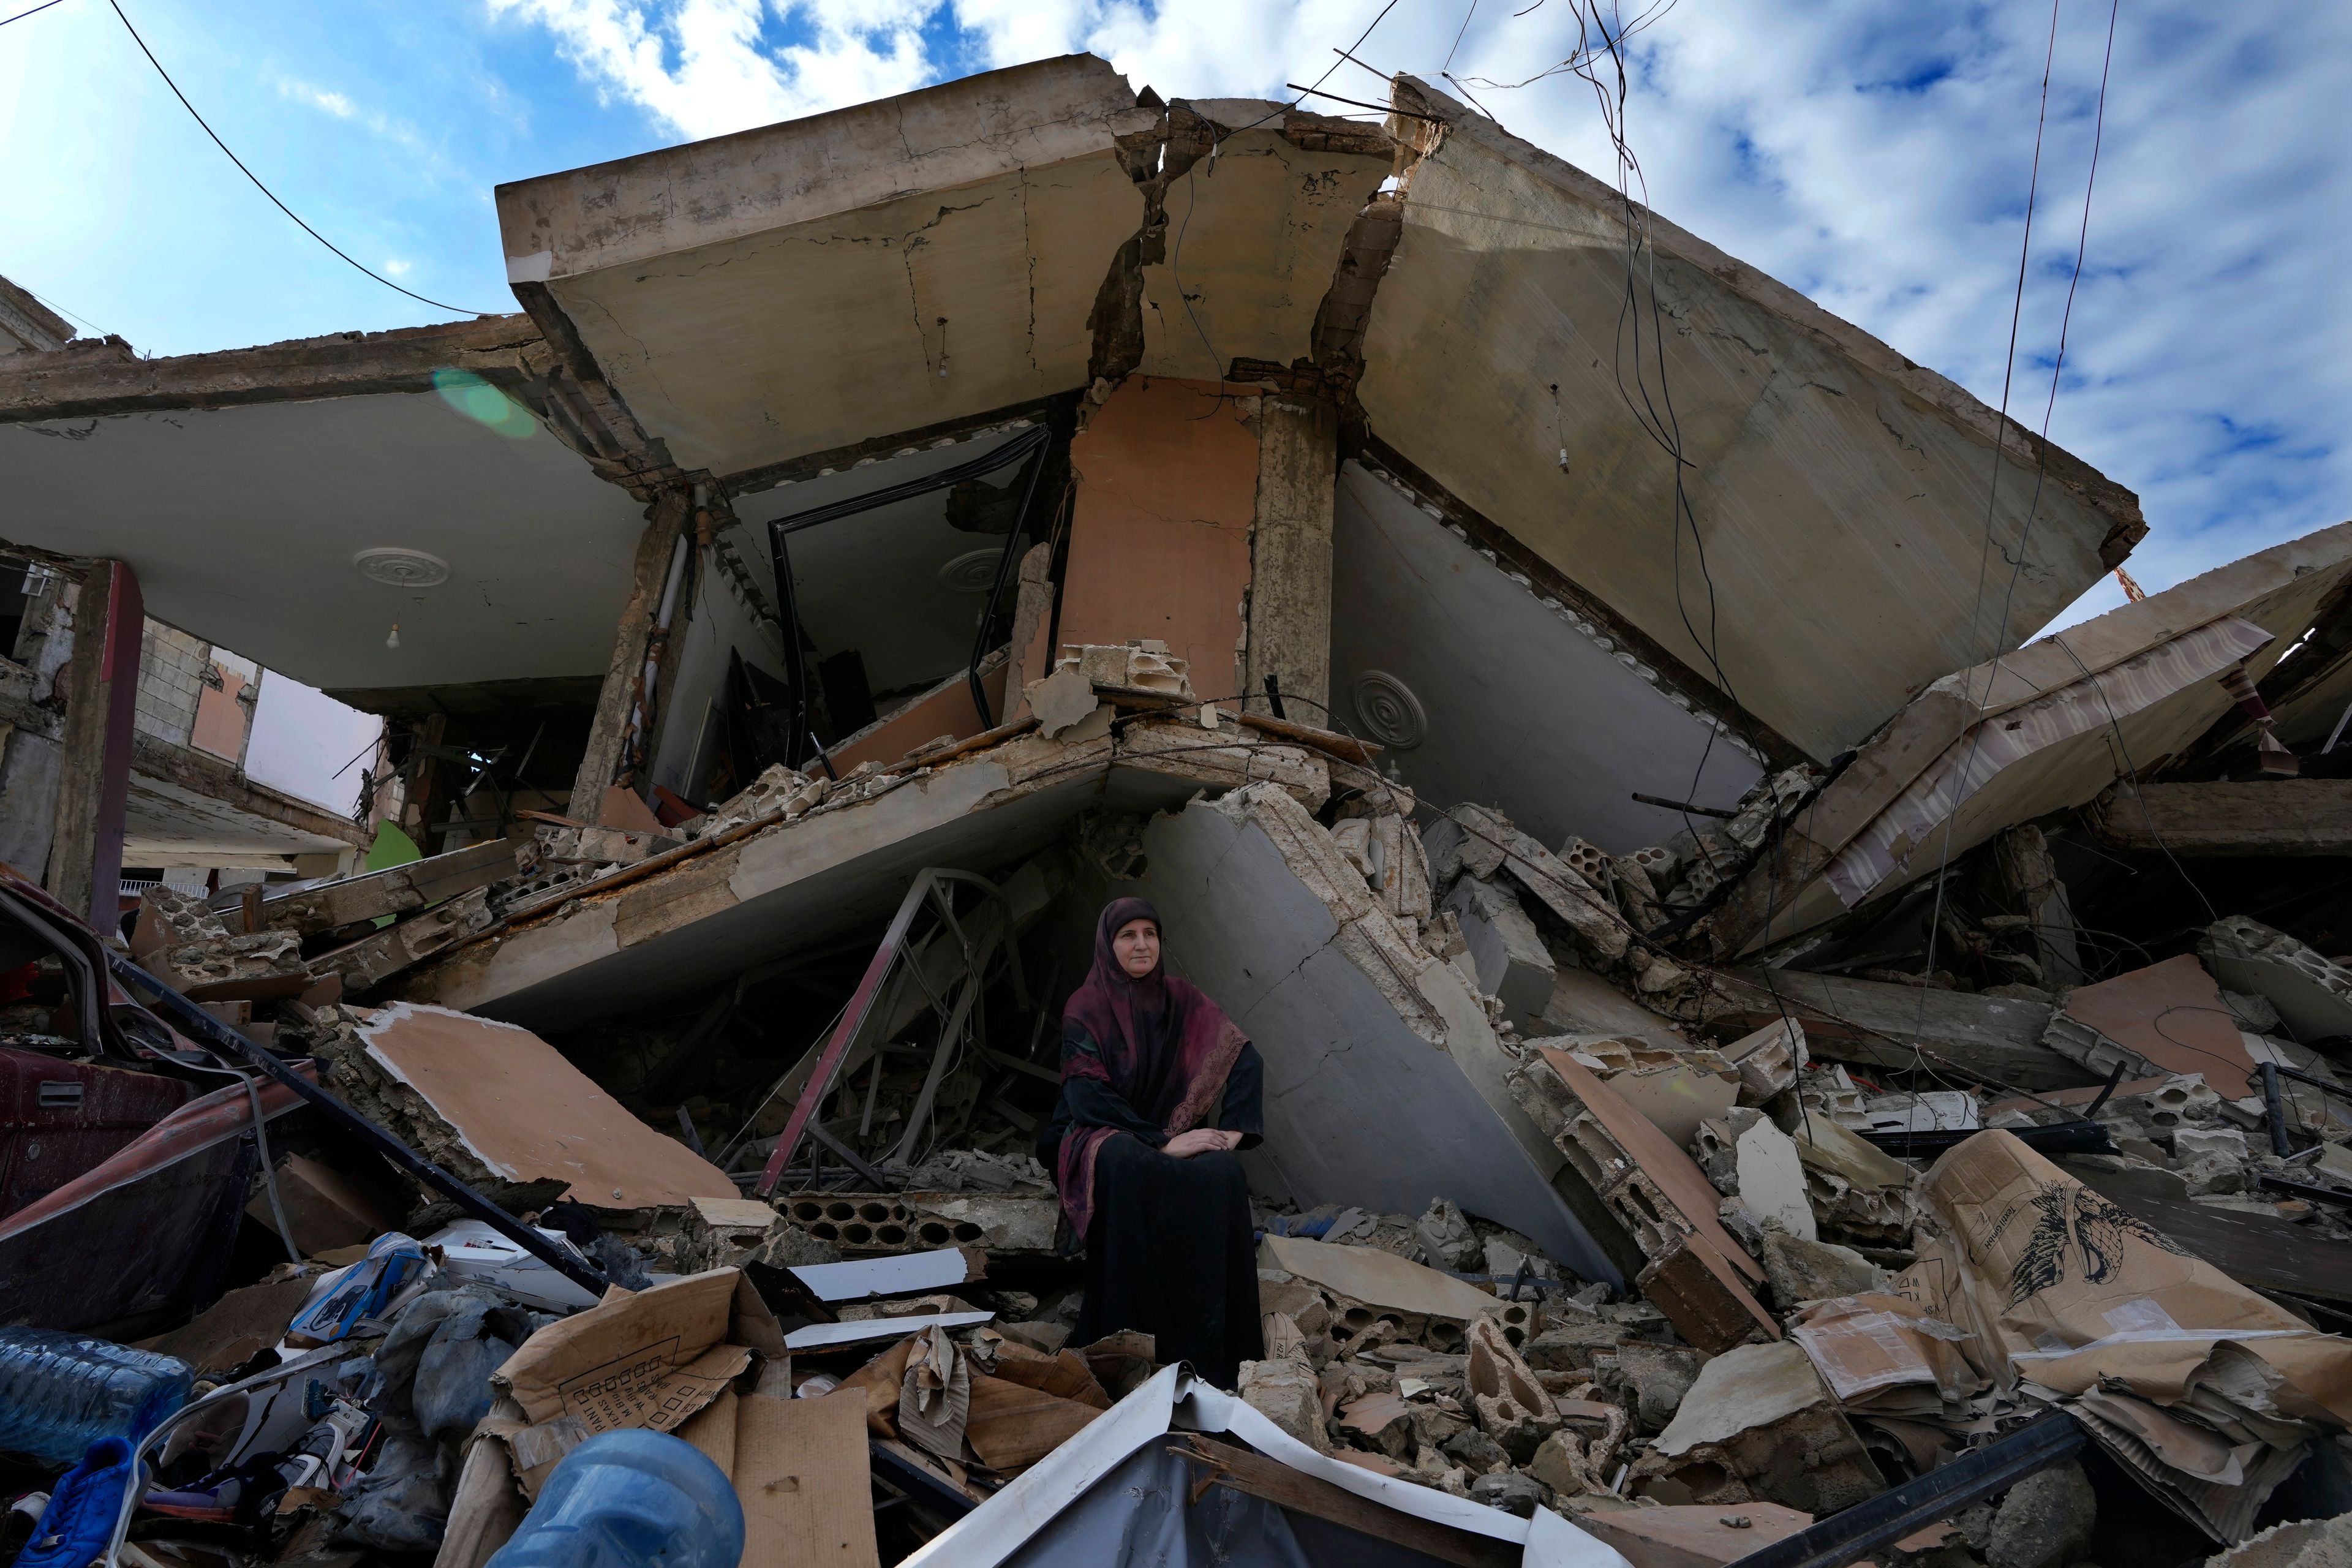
[(1029, 446)]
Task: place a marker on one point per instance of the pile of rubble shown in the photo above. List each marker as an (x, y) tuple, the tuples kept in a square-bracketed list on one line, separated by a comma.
[(1924, 1135), (1832, 1250)]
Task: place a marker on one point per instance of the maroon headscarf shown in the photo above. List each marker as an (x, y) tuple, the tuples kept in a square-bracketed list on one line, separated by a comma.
[(1165, 1049)]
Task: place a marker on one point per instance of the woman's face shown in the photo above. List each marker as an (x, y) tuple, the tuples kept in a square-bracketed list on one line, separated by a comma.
[(1137, 944)]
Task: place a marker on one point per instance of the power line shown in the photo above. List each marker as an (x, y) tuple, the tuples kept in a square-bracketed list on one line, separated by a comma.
[(60, 309), (1974, 728), (265, 190), (1215, 141), (20, 16), (1458, 37)]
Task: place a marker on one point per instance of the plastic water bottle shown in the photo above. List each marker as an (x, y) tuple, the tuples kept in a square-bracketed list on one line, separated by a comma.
[(631, 1499), (61, 1393)]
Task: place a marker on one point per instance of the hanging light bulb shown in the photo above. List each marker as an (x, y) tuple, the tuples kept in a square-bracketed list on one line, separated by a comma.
[(394, 640)]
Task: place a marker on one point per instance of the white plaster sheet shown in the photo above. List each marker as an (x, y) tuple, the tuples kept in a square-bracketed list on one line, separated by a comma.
[(1090, 1502)]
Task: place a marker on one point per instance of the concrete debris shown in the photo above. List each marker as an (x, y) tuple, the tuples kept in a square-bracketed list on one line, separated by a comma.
[(1446, 1237), (858, 1223), (1769, 1060), (1284, 1388), (1144, 666), (397, 891), (1510, 1406), (1060, 701), (1758, 1424), (2306, 1543), (1802, 1270), (2045, 1521), (1668, 1116), (198, 954), (1507, 959), (2312, 994)]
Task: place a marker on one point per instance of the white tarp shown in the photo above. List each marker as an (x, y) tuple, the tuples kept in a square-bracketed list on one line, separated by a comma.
[(1112, 1496)]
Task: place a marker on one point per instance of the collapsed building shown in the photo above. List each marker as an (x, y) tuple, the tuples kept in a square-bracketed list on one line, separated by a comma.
[(1639, 843)]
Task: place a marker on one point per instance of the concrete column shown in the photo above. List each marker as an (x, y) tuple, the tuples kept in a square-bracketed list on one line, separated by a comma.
[(1290, 556), (101, 680), (608, 732)]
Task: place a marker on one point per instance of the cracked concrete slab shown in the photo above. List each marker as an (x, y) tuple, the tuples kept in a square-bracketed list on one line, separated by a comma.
[(1838, 487), (1385, 1085), (713, 914), (809, 284), (1253, 236)]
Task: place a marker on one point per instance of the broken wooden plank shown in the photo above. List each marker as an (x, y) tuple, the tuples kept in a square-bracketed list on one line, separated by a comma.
[(2257, 1251), (1871, 1021), (2273, 816), (394, 890)]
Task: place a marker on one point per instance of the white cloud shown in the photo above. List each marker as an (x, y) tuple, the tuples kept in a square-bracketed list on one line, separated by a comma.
[(343, 107), (701, 66), (1867, 153), (396, 268), (334, 103)]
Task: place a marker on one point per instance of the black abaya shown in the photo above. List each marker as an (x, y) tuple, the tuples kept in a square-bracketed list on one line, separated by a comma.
[(1168, 1252)]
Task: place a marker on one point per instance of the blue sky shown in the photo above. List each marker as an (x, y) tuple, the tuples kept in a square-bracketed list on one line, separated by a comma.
[(1873, 153)]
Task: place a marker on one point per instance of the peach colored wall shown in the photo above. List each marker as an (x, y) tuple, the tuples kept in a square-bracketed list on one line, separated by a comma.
[(948, 710), (220, 721), (1159, 543)]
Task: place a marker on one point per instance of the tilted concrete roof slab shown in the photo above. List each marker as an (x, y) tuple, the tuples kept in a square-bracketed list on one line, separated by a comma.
[(2060, 720), (945, 255), (1841, 491), (803, 286), (1497, 696), (167, 824), (724, 907)]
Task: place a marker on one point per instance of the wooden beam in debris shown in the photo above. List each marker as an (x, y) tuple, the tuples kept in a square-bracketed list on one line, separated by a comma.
[(393, 891), (1876, 1024), (2261, 1253), (2270, 816)]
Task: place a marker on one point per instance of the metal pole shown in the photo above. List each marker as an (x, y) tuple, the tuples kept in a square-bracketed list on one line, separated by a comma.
[(853, 1018), (2274, 1109)]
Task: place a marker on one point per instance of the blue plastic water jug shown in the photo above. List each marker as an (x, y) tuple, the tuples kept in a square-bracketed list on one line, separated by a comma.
[(631, 1499), (61, 1393)]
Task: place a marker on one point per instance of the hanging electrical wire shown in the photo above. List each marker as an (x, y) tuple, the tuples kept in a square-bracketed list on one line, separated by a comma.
[(265, 190), (1972, 723)]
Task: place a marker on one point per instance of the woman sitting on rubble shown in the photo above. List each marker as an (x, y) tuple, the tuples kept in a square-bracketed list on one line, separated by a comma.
[(1159, 1088)]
